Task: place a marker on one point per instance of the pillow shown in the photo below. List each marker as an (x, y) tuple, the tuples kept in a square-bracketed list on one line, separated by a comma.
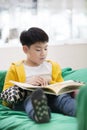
[(78, 75), (67, 71), (13, 95)]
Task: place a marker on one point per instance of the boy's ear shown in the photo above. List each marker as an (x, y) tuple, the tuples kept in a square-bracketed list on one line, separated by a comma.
[(25, 49)]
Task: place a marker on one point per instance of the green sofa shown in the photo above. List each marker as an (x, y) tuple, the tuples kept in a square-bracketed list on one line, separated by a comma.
[(15, 120)]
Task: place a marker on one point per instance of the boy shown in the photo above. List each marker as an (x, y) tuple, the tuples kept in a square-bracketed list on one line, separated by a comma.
[(36, 70)]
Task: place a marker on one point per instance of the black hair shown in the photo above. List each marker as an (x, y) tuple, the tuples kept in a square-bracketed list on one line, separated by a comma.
[(33, 35)]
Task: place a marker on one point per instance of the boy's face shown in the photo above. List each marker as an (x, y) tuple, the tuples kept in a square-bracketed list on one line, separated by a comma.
[(36, 53)]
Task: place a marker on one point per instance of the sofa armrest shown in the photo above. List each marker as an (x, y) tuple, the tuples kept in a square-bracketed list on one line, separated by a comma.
[(2, 78)]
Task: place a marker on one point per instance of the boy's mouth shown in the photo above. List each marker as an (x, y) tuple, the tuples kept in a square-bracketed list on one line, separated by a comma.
[(42, 58)]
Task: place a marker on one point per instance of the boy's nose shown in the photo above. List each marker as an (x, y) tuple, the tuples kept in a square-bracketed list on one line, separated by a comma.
[(43, 52)]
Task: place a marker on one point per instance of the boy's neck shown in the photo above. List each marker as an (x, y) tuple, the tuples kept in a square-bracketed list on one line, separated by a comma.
[(31, 64)]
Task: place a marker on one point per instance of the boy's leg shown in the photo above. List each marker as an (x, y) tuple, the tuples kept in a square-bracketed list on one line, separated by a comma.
[(28, 107), (36, 107), (13, 95), (63, 103), (82, 109)]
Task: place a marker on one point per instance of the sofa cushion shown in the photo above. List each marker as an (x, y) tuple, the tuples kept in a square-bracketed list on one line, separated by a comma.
[(17, 120)]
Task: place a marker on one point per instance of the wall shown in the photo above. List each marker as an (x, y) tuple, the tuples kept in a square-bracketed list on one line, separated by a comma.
[(73, 55)]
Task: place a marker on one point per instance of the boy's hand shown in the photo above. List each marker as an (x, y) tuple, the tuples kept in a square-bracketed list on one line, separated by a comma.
[(38, 81)]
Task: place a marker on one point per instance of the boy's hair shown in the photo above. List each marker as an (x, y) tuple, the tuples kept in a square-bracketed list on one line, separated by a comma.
[(33, 35)]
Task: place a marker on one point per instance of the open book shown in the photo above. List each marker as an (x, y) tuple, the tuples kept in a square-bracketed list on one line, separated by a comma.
[(55, 89)]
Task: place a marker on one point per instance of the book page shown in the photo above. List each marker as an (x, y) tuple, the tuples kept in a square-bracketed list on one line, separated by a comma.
[(56, 89), (24, 85), (64, 87)]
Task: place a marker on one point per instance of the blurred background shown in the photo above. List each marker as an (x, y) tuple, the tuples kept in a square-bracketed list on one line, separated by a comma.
[(65, 21)]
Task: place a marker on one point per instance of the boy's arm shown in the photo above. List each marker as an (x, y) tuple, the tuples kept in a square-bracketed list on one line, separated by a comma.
[(16, 72), (56, 73), (9, 76), (59, 79)]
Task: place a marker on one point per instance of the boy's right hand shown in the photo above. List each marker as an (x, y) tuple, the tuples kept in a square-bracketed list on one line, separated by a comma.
[(38, 81)]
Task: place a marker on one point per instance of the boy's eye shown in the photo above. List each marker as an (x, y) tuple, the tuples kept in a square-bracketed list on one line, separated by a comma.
[(38, 50), (41, 49), (45, 49)]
